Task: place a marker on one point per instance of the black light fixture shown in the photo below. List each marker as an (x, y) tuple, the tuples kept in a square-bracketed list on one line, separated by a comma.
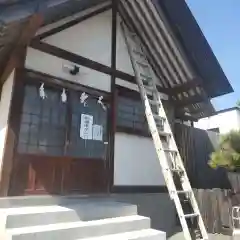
[(75, 70), (71, 68)]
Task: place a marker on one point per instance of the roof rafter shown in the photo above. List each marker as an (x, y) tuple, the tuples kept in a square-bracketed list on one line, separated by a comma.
[(190, 100), (73, 22), (187, 86), (27, 34)]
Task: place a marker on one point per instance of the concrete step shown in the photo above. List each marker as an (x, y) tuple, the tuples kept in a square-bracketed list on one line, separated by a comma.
[(79, 230), (85, 211), (146, 234), (47, 200)]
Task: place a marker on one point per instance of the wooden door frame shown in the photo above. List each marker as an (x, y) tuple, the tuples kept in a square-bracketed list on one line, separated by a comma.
[(29, 76)]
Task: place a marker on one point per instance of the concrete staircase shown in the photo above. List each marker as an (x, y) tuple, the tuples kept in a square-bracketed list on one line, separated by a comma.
[(72, 218)]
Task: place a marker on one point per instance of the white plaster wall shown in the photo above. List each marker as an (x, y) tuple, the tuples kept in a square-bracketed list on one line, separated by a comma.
[(136, 162), (46, 63), (5, 101), (90, 38), (225, 121)]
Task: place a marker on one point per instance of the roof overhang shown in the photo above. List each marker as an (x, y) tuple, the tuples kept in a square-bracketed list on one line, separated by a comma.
[(168, 58), (196, 47)]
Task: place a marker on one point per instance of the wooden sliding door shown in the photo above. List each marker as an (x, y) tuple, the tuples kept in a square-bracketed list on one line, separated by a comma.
[(62, 146)]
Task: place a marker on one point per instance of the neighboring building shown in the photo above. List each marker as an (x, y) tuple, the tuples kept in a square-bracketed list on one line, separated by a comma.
[(43, 147), (222, 121)]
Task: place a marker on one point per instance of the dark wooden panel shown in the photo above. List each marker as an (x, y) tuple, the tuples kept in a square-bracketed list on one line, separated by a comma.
[(35, 174), (85, 176), (195, 146)]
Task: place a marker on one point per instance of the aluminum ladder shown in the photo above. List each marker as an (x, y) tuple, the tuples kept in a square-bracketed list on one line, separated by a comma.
[(163, 139)]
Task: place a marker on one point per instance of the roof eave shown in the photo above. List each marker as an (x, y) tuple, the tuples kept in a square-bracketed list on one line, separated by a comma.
[(185, 27)]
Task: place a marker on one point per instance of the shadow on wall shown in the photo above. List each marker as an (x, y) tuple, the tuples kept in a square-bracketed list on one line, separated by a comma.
[(195, 146)]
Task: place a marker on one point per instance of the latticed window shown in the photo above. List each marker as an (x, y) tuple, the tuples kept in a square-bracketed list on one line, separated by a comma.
[(52, 127), (131, 116), (43, 122)]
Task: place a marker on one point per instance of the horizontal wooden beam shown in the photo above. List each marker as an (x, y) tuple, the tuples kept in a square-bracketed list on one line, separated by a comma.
[(72, 22), (32, 75), (185, 87), (83, 61), (184, 117), (190, 100)]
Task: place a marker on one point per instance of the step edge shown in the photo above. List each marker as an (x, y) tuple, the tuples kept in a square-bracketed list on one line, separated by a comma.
[(139, 233), (53, 209), (69, 225)]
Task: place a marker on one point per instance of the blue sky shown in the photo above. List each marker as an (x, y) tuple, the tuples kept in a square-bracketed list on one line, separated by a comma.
[(220, 23)]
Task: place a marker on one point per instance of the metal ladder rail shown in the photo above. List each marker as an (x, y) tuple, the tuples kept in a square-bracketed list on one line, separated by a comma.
[(161, 153)]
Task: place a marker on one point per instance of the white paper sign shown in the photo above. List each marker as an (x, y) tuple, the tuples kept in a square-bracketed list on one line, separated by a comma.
[(86, 126), (97, 132)]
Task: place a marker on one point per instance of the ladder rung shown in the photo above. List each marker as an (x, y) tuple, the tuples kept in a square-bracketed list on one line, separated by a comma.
[(183, 191), (141, 54), (170, 150), (164, 134), (176, 170), (157, 117), (146, 78), (153, 102), (132, 34), (150, 88), (143, 64), (191, 215)]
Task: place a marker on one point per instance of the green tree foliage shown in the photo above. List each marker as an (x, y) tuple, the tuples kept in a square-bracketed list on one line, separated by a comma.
[(228, 153), (238, 103)]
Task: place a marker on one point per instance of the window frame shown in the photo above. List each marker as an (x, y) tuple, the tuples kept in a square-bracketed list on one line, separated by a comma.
[(133, 95), (30, 77)]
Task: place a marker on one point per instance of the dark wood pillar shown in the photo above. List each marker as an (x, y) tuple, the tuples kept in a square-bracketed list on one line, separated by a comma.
[(13, 121), (112, 112)]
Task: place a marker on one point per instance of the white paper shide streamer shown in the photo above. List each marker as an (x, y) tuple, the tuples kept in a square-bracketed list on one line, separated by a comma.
[(101, 103), (42, 92), (83, 99), (64, 96)]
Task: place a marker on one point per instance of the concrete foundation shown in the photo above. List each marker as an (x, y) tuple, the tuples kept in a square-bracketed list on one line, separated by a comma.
[(156, 206)]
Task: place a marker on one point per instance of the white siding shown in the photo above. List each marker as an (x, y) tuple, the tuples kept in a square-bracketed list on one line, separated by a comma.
[(135, 158), (136, 162), (225, 121), (5, 101)]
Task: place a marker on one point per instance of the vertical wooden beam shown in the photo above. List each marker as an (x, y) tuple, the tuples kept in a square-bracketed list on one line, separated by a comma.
[(112, 112), (12, 124), (15, 61)]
